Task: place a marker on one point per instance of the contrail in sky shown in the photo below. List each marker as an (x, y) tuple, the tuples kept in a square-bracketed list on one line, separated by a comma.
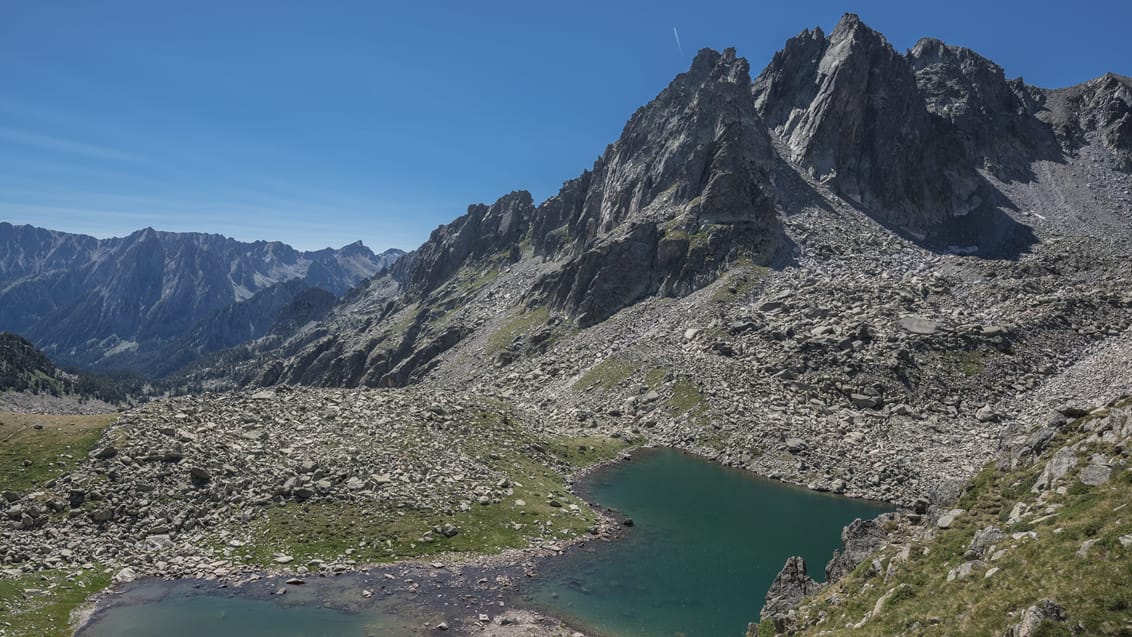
[(677, 34)]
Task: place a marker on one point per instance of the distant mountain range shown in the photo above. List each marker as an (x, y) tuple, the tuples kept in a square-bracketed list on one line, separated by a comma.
[(154, 299)]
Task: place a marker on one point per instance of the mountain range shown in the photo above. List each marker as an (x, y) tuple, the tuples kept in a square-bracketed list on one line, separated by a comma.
[(134, 302)]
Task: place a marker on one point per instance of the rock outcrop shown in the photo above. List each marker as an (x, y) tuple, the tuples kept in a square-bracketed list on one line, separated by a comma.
[(993, 118), (850, 112), (859, 540), (1098, 110), (790, 586)]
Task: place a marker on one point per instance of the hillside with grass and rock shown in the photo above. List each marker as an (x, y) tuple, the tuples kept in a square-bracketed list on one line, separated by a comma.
[(1038, 543), (899, 276)]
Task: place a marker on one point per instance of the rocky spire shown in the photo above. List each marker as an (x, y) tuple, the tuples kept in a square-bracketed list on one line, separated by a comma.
[(849, 110)]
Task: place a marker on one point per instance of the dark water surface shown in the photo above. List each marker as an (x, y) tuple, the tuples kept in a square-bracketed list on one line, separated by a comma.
[(706, 544)]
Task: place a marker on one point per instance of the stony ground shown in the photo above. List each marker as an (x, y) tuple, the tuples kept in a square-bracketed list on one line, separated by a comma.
[(872, 367)]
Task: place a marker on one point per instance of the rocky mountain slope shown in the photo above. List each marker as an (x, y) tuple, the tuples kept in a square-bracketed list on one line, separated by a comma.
[(858, 250), (107, 303)]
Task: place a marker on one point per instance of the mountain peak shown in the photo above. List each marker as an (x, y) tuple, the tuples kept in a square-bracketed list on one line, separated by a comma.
[(709, 65)]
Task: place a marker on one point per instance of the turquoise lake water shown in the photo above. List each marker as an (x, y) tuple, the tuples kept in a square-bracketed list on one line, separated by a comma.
[(705, 547), (706, 544)]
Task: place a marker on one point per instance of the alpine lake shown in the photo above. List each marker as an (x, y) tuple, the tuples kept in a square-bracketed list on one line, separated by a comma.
[(704, 546)]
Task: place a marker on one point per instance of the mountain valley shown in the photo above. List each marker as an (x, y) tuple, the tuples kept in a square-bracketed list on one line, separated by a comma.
[(901, 277)]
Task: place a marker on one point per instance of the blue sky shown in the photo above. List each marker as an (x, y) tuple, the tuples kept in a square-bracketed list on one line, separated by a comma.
[(320, 123)]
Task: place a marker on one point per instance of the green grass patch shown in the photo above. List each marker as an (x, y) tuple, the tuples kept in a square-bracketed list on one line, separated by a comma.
[(656, 376), (740, 283), (968, 363), (605, 375), (40, 604), (521, 324), (686, 397), (369, 534), (583, 451), (30, 457)]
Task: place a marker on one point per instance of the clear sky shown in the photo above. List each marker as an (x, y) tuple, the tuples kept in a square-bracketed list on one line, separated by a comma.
[(320, 123)]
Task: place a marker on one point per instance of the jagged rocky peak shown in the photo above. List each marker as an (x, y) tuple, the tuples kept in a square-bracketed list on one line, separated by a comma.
[(698, 147), (697, 160), (849, 110), (1099, 110), (700, 137), (483, 230), (994, 118)]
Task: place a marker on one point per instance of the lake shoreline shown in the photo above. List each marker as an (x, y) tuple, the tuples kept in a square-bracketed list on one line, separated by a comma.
[(496, 576)]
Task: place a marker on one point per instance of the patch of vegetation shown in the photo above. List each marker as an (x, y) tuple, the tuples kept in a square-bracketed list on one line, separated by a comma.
[(538, 508), (969, 363), (1095, 590), (35, 449), (740, 283), (40, 604), (686, 397), (764, 628), (607, 374), (655, 377), (583, 451), (517, 326)]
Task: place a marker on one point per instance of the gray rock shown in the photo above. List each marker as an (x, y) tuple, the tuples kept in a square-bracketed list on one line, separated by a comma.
[(1086, 546), (1063, 460), (982, 542), (1034, 616), (919, 325), (790, 586), (946, 520), (859, 541), (964, 570), (1095, 474)]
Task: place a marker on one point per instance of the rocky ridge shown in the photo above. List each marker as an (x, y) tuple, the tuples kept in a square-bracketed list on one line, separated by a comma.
[(859, 360)]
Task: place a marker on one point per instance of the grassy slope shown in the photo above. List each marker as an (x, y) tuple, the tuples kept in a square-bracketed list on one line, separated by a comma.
[(1095, 590), (40, 604), (30, 457), (539, 509)]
